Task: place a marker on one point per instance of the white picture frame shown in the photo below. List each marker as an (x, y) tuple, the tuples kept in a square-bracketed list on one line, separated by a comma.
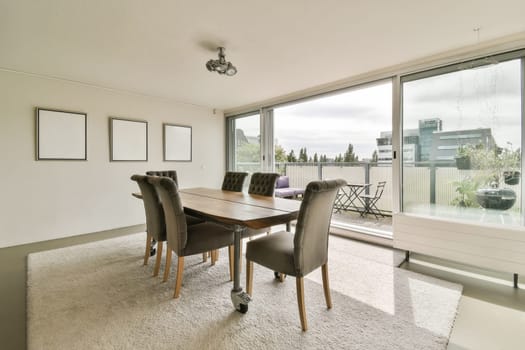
[(128, 140), (60, 135), (177, 143)]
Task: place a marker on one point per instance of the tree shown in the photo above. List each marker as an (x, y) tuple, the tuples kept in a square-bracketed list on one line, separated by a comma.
[(291, 157), (316, 158), (303, 156), (280, 154), (350, 155), (375, 157), (249, 153)]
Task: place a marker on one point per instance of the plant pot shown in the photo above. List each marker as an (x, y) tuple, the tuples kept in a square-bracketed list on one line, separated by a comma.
[(463, 162), (511, 177), (496, 198)]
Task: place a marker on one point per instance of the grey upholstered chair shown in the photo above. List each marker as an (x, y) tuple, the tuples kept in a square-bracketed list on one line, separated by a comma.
[(191, 220), (299, 254), (182, 239), (263, 184), (172, 174), (155, 226), (233, 181)]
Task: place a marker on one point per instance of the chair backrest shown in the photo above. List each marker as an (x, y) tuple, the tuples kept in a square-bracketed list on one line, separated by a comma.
[(379, 189), (172, 174), (233, 181), (263, 184), (282, 182), (313, 225), (154, 214), (176, 228)]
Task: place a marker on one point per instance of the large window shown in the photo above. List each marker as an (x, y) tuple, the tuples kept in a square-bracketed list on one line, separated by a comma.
[(464, 123), (345, 134), (458, 135), (245, 143)]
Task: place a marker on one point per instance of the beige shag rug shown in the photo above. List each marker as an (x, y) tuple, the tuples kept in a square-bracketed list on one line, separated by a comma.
[(100, 296)]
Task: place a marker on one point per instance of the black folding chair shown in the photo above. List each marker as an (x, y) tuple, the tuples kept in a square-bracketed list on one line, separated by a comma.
[(370, 201)]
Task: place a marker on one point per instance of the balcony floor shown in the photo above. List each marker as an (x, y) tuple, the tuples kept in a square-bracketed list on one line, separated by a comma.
[(367, 223)]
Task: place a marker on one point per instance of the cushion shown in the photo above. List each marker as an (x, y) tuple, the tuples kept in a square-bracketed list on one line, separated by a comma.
[(285, 192), (281, 246), (282, 182)]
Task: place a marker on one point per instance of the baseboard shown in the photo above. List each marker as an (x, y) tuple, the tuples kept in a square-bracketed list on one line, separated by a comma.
[(79, 239)]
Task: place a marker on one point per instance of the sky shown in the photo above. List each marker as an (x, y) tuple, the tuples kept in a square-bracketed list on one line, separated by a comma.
[(487, 97)]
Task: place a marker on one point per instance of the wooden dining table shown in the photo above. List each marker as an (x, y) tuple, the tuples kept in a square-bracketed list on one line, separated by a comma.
[(241, 211)]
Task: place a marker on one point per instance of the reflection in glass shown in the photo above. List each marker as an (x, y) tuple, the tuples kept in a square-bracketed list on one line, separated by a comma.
[(462, 143), (248, 144)]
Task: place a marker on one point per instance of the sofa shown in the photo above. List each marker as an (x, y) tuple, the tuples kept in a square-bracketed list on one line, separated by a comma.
[(283, 189)]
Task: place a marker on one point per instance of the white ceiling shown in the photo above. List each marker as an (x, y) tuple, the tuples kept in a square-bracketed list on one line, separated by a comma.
[(160, 47)]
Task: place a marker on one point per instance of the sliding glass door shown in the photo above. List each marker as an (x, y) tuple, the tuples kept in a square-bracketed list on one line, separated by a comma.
[(244, 140), (345, 134), (458, 132), (462, 141)]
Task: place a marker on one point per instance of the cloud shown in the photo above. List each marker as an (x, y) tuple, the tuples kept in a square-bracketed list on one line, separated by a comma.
[(488, 97)]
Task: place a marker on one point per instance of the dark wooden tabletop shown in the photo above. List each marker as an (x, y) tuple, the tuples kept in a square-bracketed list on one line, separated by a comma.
[(238, 208)]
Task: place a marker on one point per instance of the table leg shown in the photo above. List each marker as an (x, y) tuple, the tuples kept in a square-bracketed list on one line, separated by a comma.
[(240, 299)]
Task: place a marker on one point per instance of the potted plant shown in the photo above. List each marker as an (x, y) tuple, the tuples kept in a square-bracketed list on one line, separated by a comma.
[(466, 189), (492, 163), (511, 163), (511, 177)]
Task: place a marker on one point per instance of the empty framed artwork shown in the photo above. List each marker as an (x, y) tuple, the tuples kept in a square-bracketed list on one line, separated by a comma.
[(128, 140), (60, 135), (177, 143)]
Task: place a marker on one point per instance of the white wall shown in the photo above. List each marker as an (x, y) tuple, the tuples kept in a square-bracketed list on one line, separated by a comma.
[(490, 246), (42, 200)]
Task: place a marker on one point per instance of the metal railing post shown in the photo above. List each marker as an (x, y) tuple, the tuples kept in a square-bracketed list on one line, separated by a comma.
[(367, 177), (433, 183)]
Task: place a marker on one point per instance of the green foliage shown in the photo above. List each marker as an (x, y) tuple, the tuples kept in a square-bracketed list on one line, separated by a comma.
[(375, 156), (350, 155), (492, 162), (466, 189), (303, 156), (248, 153), (280, 154), (291, 158)]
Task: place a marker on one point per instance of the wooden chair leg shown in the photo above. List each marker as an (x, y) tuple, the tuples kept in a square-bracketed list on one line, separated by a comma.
[(168, 263), (230, 256), (282, 276), (159, 257), (148, 248), (213, 255), (204, 257), (326, 286), (178, 281), (300, 302), (249, 276)]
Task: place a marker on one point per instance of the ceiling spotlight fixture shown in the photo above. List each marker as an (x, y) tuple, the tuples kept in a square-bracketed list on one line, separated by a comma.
[(221, 66)]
